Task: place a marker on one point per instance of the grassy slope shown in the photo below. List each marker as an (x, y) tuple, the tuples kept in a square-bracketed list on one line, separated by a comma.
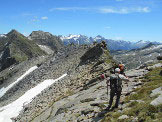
[(23, 48), (144, 111)]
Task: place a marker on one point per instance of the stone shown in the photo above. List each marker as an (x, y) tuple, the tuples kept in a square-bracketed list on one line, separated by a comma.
[(87, 100), (87, 111), (160, 73), (123, 117), (156, 91), (95, 104), (157, 101), (139, 101)]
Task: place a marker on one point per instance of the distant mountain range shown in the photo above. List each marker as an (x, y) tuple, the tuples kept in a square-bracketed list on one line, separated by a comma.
[(112, 44)]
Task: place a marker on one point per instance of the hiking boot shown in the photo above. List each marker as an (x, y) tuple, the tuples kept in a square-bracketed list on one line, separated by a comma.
[(116, 106), (108, 108)]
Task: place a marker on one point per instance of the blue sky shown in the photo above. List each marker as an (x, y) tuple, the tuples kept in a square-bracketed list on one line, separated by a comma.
[(130, 20)]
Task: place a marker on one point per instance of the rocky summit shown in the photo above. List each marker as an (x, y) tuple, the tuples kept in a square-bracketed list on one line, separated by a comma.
[(46, 39), (66, 85)]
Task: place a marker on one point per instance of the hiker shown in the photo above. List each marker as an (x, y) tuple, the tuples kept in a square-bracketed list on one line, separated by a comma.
[(115, 87)]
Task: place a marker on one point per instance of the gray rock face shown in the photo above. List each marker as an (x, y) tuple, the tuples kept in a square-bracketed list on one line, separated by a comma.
[(155, 66), (158, 100), (135, 58), (47, 39), (6, 60), (156, 91)]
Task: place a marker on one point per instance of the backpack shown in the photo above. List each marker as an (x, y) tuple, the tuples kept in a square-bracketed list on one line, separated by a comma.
[(115, 82), (102, 76)]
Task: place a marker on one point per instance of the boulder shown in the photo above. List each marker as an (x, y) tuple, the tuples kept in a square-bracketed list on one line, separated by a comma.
[(156, 91), (158, 100), (160, 73), (123, 117)]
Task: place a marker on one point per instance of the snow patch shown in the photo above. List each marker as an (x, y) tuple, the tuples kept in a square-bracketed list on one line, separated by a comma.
[(13, 109), (75, 37), (2, 35), (4, 90)]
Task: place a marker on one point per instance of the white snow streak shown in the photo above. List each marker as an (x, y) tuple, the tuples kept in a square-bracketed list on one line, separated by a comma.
[(13, 109), (4, 90), (2, 35)]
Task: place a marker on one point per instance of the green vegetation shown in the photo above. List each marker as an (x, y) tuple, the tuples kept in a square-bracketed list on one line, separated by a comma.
[(22, 46), (19, 48), (143, 110)]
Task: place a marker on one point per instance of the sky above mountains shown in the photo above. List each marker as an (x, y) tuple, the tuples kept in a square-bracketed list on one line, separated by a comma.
[(130, 20)]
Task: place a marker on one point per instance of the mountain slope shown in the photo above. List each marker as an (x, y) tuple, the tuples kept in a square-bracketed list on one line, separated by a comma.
[(134, 58), (18, 48), (46, 39), (83, 71)]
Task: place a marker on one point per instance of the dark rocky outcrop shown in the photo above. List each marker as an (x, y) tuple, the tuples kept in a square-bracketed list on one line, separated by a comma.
[(92, 54), (160, 73), (159, 58)]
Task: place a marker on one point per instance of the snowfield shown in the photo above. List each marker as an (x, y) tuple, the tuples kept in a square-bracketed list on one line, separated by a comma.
[(4, 90), (12, 110)]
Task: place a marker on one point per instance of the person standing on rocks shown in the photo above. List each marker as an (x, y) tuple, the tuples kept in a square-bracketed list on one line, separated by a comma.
[(115, 87)]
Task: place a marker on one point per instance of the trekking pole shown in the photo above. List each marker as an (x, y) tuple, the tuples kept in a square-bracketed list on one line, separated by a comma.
[(107, 90)]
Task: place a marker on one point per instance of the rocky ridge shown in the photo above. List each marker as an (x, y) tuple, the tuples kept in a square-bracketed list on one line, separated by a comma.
[(81, 64), (135, 58), (85, 103)]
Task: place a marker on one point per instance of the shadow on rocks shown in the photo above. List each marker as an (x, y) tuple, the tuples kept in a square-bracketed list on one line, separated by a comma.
[(102, 114)]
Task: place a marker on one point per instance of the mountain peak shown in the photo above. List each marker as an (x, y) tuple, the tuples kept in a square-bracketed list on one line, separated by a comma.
[(14, 33), (99, 36), (47, 39)]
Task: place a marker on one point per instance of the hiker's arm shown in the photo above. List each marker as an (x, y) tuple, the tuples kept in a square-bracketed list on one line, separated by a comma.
[(124, 78)]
